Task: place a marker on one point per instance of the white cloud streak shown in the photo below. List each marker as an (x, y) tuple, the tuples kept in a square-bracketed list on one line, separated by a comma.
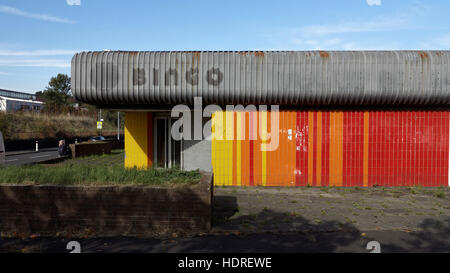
[(373, 2), (36, 16), (50, 52), (35, 63), (73, 2)]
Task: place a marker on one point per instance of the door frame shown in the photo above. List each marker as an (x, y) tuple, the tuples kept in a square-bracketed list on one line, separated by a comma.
[(169, 161)]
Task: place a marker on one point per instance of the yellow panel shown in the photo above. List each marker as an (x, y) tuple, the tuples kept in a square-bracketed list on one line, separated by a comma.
[(136, 129), (229, 129), (238, 147)]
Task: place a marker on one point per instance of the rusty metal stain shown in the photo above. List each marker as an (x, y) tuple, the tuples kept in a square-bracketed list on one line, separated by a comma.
[(324, 54), (259, 53), (423, 55)]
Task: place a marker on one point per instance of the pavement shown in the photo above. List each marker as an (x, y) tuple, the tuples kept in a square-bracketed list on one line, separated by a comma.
[(30, 157), (295, 220)]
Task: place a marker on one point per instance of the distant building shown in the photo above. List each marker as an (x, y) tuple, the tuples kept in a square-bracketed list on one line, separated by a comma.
[(11, 101)]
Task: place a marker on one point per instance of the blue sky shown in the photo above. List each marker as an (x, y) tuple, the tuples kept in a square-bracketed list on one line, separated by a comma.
[(38, 38)]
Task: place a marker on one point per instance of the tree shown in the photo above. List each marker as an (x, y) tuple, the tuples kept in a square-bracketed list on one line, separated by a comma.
[(58, 92)]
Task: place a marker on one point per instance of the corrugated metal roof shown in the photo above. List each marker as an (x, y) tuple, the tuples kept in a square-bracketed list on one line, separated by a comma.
[(263, 77)]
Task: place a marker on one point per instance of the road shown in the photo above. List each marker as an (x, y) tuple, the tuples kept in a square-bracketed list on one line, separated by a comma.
[(30, 157), (292, 242)]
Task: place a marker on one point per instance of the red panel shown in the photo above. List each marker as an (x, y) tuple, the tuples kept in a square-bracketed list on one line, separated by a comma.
[(314, 151)]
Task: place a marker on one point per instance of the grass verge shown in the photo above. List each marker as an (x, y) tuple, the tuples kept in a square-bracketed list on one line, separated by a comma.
[(94, 175)]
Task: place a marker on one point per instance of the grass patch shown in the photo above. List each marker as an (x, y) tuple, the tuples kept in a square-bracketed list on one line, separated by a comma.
[(84, 174)]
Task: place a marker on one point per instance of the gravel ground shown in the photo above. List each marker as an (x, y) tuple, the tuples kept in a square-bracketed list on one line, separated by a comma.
[(255, 209)]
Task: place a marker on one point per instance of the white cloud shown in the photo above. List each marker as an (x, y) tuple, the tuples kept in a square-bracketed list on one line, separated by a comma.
[(35, 63), (373, 2), (398, 22), (42, 17), (49, 52), (437, 43), (73, 2)]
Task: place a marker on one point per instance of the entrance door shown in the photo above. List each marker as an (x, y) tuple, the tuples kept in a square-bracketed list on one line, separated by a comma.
[(167, 151)]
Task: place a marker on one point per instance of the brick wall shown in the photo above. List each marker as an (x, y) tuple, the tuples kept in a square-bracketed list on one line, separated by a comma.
[(108, 210)]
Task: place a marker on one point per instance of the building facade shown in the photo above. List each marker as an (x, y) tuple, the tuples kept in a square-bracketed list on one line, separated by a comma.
[(11, 101), (280, 118)]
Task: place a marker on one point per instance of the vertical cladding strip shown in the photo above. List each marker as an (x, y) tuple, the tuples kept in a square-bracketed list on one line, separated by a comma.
[(305, 145), (331, 167), (234, 143), (251, 148), (257, 166), (218, 153), (340, 146), (420, 149), (326, 147), (360, 161), (400, 173), (410, 147), (220, 130), (263, 152), (238, 141), (346, 149), (310, 147), (366, 150), (270, 165), (136, 140), (292, 144), (413, 135), (297, 149), (381, 181), (245, 149), (314, 149), (447, 144), (229, 148), (281, 151), (213, 148), (377, 148), (361, 144), (319, 149), (149, 140)]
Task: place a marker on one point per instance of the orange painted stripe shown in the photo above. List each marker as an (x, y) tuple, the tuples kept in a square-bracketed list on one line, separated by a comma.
[(257, 157), (340, 118), (310, 147), (269, 156), (332, 168), (319, 150), (366, 150), (292, 147)]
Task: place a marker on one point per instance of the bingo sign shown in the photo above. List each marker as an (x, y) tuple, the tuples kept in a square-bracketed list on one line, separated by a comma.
[(99, 125)]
